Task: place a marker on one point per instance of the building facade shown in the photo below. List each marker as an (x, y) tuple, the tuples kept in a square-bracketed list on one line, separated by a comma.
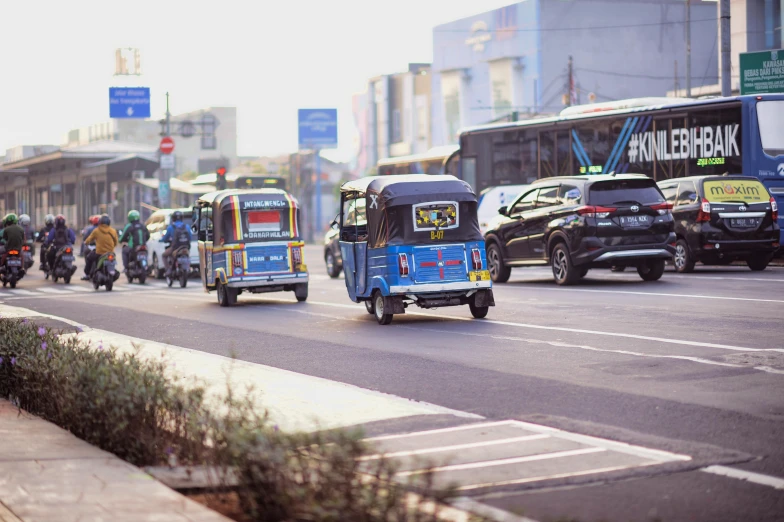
[(518, 59), (393, 116), (213, 143)]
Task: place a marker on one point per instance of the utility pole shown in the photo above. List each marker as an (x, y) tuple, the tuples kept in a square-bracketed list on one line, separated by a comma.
[(688, 48), (726, 60), (677, 94), (164, 175), (318, 191), (569, 84)]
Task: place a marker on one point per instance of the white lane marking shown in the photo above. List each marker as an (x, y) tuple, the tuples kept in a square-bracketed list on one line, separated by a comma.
[(561, 344), (487, 511), (750, 476), (698, 277), (502, 462), (555, 476), (563, 329), (663, 294), (441, 449), (48, 290), (18, 291), (439, 430)]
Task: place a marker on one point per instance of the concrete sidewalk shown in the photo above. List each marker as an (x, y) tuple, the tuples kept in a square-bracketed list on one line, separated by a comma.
[(49, 475)]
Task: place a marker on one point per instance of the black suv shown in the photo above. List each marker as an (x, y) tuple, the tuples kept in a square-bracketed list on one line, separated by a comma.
[(721, 219), (577, 223)]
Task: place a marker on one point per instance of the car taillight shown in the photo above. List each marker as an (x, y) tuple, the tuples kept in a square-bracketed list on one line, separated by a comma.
[(598, 212), (704, 213), (402, 264), (662, 208), (296, 255), (774, 208), (476, 259)]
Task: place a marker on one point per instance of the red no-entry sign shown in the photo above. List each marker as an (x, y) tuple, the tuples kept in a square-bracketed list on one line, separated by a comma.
[(167, 145)]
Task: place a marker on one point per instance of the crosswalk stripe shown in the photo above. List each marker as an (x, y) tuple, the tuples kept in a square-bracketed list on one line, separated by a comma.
[(53, 291), (79, 288), (19, 292)]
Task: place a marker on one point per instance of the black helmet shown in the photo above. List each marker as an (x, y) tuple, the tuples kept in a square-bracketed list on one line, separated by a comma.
[(177, 216), (105, 219), (59, 221)]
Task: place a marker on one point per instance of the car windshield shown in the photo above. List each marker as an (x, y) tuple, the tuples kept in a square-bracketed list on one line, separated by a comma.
[(625, 191), (770, 114), (735, 191)]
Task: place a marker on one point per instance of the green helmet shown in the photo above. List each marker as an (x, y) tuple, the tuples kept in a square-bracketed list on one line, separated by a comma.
[(10, 219), (133, 215)]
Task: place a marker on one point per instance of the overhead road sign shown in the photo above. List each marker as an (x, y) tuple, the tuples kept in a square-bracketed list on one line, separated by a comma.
[(129, 102), (318, 128), (762, 72)]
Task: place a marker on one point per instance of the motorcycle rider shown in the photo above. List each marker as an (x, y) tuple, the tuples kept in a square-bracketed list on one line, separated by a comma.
[(179, 235), (42, 235), (105, 238), (11, 237), (24, 222), (58, 237), (87, 231), (136, 234)]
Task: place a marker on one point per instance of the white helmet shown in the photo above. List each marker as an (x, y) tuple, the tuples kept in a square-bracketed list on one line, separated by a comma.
[(49, 219), (24, 220)]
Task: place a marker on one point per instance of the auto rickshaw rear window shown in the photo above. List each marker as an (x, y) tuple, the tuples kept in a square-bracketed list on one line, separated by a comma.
[(263, 221), (441, 215)]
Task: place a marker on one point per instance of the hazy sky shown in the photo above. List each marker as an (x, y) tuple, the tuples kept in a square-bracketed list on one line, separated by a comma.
[(267, 58)]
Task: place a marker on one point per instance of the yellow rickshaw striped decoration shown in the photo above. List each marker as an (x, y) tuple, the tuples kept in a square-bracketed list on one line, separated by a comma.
[(235, 204), (292, 215)]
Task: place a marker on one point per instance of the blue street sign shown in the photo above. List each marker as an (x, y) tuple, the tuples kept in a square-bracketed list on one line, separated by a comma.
[(318, 128), (129, 102)]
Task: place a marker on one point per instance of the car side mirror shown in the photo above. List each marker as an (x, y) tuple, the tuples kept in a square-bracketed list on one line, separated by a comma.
[(194, 229), (504, 211)]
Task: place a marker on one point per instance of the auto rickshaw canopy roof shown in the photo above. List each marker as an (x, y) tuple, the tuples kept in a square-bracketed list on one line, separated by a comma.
[(409, 189)]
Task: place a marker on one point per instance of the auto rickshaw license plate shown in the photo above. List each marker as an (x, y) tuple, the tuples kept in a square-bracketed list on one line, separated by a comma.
[(479, 275), (303, 268)]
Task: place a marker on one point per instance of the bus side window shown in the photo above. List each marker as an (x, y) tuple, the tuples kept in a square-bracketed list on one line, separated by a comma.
[(468, 168)]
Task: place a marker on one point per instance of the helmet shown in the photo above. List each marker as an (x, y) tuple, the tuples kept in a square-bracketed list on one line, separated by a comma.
[(10, 219), (133, 215), (105, 219), (24, 220), (177, 216), (59, 221), (49, 219), (94, 220)]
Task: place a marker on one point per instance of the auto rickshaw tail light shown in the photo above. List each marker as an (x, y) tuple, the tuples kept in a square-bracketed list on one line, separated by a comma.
[(476, 259), (296, 255), (402, 264)]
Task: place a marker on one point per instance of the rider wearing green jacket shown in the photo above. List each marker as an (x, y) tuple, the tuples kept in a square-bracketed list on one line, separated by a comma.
[(136, 234)]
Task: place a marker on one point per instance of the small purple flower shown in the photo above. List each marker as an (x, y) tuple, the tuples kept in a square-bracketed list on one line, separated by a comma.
[(276, 427), (100, 347), (169, 451), (79, 329), (44, 345), (25, 320), (13, 361), (41, 331), (1, 360), (49, 355)]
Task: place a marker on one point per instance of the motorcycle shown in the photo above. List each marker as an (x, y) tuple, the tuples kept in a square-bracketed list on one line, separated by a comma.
[(137, 265), (13, 269), (63, 265), (28, 252), (181, 269), (106, 273)]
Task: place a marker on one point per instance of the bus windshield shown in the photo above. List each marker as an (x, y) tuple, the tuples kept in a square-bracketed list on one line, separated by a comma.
[(770, 115)]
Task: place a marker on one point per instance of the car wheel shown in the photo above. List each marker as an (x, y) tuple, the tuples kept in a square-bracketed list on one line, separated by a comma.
[(370, 307), (499, 272), (683, 260), (564, 272), (333, 269), (758, 263), (651, 270), (378, 308)]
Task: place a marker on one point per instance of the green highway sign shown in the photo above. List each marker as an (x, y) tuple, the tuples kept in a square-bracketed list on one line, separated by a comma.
[(762, 72)]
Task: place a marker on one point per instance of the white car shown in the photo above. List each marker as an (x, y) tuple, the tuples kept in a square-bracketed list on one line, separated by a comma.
[(493, 198), (157, 225)]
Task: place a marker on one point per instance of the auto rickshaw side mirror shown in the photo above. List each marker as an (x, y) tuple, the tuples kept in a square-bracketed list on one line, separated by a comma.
[(504, 211)]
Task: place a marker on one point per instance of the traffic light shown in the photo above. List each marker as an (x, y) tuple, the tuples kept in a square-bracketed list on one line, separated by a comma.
[(220, 180)]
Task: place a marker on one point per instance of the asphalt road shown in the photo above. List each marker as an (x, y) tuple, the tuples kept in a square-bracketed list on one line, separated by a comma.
[(692, 365)]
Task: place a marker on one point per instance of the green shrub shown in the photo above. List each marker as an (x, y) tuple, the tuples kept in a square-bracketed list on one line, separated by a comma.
[(125, 405)]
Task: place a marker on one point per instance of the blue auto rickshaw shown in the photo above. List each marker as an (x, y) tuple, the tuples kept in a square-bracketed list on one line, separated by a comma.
[(249, 242), (413, 238)]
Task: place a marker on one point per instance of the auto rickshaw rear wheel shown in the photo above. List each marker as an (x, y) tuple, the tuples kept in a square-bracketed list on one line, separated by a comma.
[(227, 296), (370, 307), (479, 312), (301, 291), (378, 308)]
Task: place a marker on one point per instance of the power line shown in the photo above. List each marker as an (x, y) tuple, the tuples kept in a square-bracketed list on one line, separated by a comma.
[(592, 28), (632, 75)]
